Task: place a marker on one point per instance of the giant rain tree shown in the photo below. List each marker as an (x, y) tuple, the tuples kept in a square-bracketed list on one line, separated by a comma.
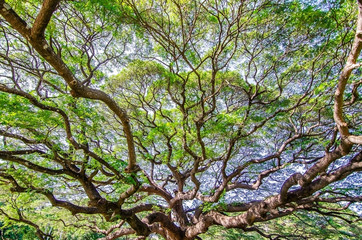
[(170, 117)]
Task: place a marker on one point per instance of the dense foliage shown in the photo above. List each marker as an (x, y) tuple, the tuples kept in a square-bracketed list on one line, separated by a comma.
[(180, 119)]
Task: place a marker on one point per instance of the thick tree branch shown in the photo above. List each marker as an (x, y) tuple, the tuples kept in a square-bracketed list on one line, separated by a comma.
[(43, 18), (343, 79), (32, 166)]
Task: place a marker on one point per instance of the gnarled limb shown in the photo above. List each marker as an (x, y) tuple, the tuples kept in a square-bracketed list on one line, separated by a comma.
[(347, 140)]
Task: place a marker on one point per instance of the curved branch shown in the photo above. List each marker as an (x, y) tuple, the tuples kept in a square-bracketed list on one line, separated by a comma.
[(33, 166), (343, 79)]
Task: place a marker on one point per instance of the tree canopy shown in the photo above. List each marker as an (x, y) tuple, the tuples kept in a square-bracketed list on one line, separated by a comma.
[(178, 119)]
